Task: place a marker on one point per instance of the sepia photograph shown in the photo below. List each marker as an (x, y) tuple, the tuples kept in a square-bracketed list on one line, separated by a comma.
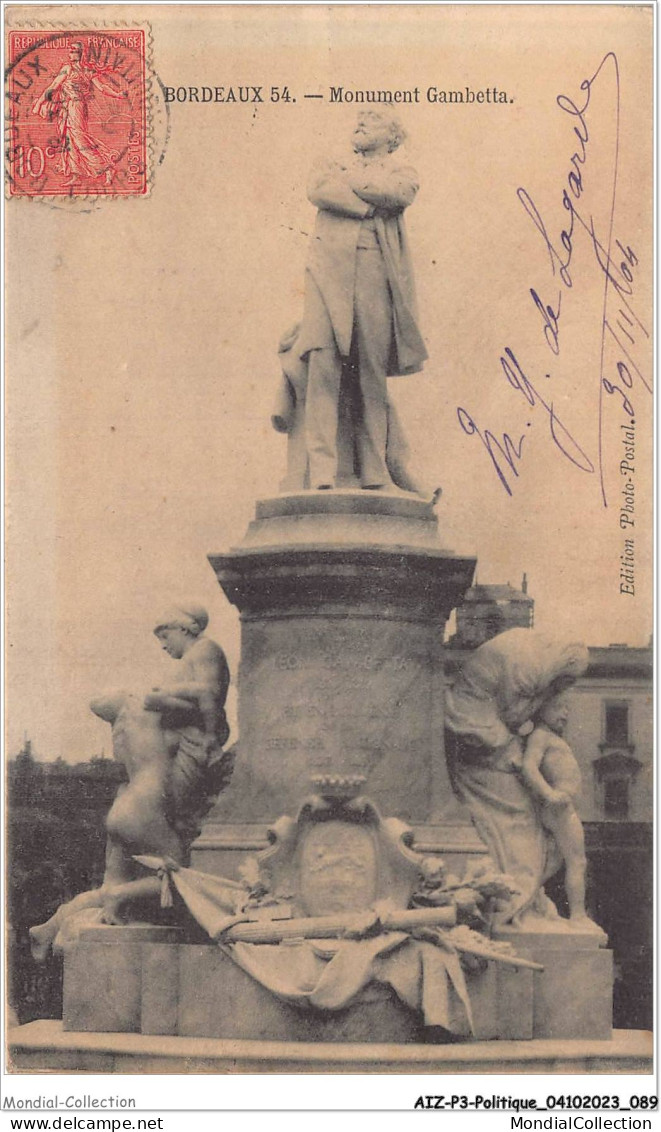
[(329, 544)]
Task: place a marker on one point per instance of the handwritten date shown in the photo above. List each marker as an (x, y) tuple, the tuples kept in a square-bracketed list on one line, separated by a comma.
[(616, 368)]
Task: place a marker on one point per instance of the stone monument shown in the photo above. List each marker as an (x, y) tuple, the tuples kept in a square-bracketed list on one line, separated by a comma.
[(344, 591), (312, 918)]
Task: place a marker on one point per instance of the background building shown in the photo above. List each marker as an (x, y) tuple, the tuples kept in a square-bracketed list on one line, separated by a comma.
[(489, 610)]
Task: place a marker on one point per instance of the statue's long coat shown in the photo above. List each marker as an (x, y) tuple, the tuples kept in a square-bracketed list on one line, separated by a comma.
[(330, 275)]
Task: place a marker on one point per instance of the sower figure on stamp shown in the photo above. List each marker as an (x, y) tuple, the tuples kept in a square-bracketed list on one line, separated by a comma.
[(68, 97), (359, 312)]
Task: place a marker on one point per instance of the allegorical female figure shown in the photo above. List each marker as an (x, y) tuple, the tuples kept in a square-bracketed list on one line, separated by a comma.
[(67, 100), (171, 743), (502, 695)]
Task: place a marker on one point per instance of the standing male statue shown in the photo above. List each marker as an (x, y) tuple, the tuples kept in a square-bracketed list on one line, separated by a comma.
[(359, 314)]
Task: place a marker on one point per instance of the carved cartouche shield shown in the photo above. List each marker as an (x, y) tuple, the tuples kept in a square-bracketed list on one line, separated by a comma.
[(337, 868), (339, 855)]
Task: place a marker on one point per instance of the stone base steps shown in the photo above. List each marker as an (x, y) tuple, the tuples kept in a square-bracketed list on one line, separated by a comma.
[(44, 1046)]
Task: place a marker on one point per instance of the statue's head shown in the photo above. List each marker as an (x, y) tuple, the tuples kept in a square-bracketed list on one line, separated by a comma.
[(554, 712), (376, 130), (75, 52), (179, 628)]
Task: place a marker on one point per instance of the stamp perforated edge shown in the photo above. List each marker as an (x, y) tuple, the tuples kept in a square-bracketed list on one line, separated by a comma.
[(152, 104)]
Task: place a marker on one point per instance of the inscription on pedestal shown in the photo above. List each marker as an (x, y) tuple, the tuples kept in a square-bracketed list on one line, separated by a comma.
[(353, 695), (343, 599)]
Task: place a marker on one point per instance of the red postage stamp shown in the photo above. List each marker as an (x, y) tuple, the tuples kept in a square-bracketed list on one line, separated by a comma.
[(77, 113)]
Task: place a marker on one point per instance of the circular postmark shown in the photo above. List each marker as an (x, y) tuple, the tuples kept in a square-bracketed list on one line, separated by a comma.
[(86, 115)]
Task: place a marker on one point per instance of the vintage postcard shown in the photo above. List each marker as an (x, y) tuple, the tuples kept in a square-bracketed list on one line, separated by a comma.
[(329, 545)]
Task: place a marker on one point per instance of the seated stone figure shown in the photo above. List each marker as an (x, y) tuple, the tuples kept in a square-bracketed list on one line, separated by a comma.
[(171, 743), (192, 714)]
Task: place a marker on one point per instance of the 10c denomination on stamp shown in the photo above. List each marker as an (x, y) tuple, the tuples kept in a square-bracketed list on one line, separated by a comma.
[(76, 120)]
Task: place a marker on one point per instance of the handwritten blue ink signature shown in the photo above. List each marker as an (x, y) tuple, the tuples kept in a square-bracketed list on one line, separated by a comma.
[(505, 454)]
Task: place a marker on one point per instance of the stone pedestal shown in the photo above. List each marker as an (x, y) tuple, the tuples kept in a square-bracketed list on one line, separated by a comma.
[(573, 995), (40, 1046), (147, 980), (123, 980), (234, 1005), (343, 596)]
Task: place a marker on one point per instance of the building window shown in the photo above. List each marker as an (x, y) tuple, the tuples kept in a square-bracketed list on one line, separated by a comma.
[(616, 798), (614, 776), (616, 724)]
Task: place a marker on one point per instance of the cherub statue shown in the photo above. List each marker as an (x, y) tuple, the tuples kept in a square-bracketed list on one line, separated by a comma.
[(550, 771)]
